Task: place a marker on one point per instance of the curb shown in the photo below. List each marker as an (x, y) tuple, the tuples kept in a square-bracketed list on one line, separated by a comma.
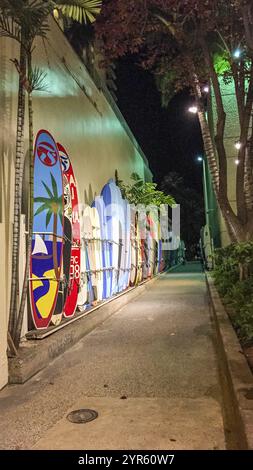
[(236, 377), (34, 355)]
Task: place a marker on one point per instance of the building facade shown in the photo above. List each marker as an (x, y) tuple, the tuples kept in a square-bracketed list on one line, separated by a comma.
[(231, 136), (82, 116)]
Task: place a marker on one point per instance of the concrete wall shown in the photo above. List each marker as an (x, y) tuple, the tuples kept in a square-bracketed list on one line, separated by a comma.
[(3, 316), (232, 133), (78, 115)]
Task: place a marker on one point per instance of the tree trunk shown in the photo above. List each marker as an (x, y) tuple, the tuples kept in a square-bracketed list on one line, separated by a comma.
[(234, 227), (14, 301), (247, 13), (55, 257), (243, 186), (30, 213)]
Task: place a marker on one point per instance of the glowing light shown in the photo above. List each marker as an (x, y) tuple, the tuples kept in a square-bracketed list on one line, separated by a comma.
[(237, 53), (238, 145), (206, 89), (237, 162), (200, 159), (193, 109), (56, 13)]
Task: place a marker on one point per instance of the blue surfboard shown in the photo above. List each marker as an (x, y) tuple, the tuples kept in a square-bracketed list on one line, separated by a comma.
[(48, 230), (112, 225), (106, 258)]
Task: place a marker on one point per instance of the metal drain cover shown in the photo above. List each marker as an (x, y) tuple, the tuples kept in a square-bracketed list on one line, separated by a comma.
[(82, 416)]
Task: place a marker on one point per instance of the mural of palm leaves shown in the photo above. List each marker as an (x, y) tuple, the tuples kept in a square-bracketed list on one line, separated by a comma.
[(53, 205)]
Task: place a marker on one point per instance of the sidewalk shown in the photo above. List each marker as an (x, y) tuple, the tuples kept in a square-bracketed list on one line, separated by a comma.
[(149, 371)]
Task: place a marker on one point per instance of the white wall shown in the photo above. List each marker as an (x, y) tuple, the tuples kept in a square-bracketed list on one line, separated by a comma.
[(79, 116)]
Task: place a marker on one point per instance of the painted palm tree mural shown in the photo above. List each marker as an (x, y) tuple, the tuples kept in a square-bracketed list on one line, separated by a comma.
[(52, 205)]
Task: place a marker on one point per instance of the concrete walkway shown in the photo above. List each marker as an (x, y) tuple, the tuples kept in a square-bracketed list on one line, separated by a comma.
[(149, 371)]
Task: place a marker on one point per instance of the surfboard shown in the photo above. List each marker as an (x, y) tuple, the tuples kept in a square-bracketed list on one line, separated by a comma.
[(84, 276), (127, 244), (96, 236), (156, 241), (48, 230), (90, 257), (153, 242), (139, 257), (144, 259), (105, 247), (112, 224), (120, 210), (71, 211), (65, 270), (161, 258), (134, 247), (67, 244), (142, 222), (150, 247)]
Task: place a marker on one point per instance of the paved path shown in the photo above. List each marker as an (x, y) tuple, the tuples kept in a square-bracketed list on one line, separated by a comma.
[(149, 371)]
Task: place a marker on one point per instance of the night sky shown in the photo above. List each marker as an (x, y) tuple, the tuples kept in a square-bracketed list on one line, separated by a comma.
[(170, 138)]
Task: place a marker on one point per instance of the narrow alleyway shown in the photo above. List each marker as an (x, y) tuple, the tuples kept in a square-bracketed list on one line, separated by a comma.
[(149, 371)]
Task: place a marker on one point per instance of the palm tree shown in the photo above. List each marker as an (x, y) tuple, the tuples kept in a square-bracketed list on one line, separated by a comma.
[(23, 20)]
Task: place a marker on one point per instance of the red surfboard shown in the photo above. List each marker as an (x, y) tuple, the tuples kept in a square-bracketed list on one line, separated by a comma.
[(73, 215)]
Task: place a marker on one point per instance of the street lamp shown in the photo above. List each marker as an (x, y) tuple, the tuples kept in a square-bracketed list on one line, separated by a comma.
[(201, 159), (237, 53), (238, 145), (206, 234), (193, 109)]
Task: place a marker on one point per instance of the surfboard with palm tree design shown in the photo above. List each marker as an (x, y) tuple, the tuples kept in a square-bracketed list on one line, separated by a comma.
[(47, 240)]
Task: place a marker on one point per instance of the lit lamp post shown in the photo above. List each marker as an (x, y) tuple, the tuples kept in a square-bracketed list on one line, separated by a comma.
[(201, 159), (206, 236), (193, 109)]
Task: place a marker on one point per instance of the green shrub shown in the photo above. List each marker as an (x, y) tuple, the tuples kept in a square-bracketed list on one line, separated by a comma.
[(224, 281), (226, 272), (243, 323), (240, 293), (233, 277)]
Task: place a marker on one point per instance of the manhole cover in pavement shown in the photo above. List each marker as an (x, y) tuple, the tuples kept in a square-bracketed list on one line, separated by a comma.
[(82, 416)]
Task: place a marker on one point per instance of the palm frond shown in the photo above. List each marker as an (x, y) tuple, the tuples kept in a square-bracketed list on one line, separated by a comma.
[(50, 194), (40, 209), (36, 78), (34, 18), (59, 204), (82, 11), (28, 16), (41, 199), (54, 186), (8, 27), (48, 217)]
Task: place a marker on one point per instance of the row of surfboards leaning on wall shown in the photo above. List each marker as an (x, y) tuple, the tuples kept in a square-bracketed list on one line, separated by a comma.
[(82, 255)]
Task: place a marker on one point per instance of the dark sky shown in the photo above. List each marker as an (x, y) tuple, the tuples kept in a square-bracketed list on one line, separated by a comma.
[(170, 138)]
